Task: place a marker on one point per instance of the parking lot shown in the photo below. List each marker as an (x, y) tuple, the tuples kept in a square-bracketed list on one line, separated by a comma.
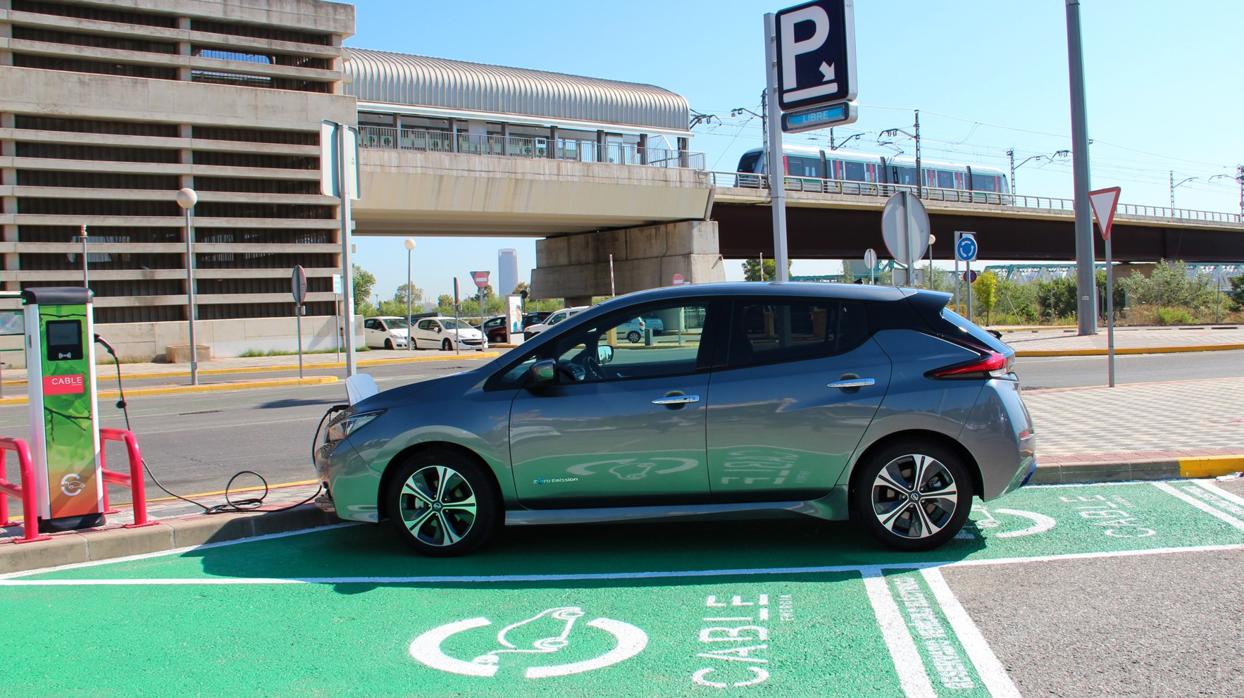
[(772, 607)]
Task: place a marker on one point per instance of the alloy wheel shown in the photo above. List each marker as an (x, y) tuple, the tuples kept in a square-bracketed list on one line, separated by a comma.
[(437, 506), (914, 496)]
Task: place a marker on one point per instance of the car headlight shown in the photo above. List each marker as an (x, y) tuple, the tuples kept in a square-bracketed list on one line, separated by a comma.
[(349, 424)]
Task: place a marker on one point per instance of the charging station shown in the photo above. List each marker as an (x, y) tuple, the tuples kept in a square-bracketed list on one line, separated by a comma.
[(64, 424)]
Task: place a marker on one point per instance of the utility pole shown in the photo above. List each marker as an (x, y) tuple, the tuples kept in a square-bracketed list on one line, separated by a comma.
[(1239, 177), (919, 171), (1010, 155), (1086, 282)]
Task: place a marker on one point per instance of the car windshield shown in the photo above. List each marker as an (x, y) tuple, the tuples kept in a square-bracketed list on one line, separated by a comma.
[(451, 324), (395, 323)]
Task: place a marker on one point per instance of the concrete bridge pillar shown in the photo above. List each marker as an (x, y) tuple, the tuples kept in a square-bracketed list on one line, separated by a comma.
[(576, 267)]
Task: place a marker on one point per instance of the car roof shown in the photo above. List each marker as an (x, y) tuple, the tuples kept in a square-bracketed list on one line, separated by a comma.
[(767, 288), (385, 317)]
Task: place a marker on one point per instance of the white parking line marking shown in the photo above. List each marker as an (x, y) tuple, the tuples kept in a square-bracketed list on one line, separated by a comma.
[(11, 580), (1220, 515), (988, 668), (1229, 496), (907, 663)]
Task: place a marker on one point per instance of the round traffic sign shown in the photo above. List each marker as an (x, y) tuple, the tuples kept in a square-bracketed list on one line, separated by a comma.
[(970, 276), (678, 279), (905, 228), (966, 248), (870, 258)]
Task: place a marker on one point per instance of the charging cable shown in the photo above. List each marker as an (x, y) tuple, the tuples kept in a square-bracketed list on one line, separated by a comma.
[(230, 505)]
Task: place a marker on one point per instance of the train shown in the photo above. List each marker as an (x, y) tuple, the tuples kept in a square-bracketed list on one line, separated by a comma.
[(870, 168)]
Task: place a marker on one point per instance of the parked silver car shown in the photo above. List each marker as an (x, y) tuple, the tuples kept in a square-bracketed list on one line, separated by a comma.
[(832, 401)]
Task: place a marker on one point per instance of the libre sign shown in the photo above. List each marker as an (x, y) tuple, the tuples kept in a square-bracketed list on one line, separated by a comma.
[(816, 53)]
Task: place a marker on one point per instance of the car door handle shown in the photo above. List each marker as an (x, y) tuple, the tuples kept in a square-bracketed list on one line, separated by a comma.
[(676, 400), (850, 383)]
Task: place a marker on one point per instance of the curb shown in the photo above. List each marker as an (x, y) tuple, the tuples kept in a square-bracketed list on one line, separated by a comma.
[(208, 388), (1173, 469), (169, 534), (1034, 353), (276, 368)]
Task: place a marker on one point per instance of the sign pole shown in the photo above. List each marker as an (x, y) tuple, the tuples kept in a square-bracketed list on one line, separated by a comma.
[(337, 323), (969, 288), (958, 280), (456, 320), (86, 275), (1109, 312), (347, 275), (298, 313), (774, 159)]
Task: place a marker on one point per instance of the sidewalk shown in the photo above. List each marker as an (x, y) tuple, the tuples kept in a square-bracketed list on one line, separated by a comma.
[(1139, 431), (1032, 342)]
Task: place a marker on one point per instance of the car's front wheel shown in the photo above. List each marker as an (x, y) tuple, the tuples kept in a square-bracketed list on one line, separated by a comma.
[(442, 503), (388, 344), (913, 495), (446, 345)]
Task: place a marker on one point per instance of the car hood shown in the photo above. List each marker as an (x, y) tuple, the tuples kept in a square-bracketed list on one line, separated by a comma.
[(467, 333), (449, 386)]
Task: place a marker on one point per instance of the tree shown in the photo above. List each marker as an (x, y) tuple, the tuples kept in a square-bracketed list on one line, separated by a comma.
[(363, 282), (445, 304), (751, 269), (1236, 294), (522, 286), (986, 289)]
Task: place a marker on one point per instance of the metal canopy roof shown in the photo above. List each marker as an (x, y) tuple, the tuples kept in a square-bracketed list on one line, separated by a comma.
[(474, 90)]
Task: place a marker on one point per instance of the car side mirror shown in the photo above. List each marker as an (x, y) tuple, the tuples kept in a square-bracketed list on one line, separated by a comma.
[(604, 354), (438, 330), (542, 373)]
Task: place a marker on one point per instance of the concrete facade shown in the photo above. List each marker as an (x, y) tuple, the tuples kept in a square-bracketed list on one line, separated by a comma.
[(576, 267), (108, 108)]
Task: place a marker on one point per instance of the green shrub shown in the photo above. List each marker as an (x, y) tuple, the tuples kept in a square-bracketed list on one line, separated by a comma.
[(1169, 285), (1236, 293), (1056, 298), (1173, 316), (1016, 304)]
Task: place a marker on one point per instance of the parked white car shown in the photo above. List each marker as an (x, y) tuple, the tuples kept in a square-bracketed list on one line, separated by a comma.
[(385, 332), (445, 333), (533, 330)]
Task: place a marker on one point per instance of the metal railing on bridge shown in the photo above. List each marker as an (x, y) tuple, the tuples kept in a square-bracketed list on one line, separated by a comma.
[(580, 150), (749, 180)]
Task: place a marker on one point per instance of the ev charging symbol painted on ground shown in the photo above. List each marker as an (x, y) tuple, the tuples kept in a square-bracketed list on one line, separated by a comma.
[(628, 642), (1040, 523)]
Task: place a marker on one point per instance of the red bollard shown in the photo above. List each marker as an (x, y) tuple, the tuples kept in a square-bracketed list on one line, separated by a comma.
[(135, 478), (30, 506)]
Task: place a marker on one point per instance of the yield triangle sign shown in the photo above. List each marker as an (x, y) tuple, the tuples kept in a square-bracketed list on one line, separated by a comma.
[(1104, 202)]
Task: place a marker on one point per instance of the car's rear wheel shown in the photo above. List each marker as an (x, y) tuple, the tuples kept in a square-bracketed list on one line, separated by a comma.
[(442, 503), (633, 337), (446, 345), (913, 495)]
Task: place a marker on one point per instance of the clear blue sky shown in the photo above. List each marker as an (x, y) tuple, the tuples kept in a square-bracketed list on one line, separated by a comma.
[(1163, 88)]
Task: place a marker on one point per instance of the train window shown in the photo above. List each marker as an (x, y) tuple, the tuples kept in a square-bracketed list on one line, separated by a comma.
[(855, 171), (945, 180), (803, 167), (872, 173), (982, 182), (748, 162), (905, 175)]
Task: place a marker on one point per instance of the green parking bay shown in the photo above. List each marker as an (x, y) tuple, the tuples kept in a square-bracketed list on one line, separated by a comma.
[(789, 607)]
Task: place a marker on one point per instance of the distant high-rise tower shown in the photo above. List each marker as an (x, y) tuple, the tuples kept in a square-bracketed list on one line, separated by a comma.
[(507, 271)]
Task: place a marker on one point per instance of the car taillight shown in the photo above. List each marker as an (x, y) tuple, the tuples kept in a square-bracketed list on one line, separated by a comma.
[(990, 364)]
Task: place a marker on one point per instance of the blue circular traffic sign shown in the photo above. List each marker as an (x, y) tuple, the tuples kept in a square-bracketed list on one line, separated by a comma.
[(966, 249)]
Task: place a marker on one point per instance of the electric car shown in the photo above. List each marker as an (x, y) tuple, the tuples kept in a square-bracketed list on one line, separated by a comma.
[(826, 400)]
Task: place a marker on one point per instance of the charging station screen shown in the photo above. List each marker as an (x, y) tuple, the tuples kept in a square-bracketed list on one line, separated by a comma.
[(64, 338)]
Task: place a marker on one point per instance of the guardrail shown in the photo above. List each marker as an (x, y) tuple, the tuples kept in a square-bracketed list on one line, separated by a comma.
[(749, 180), (25, 490), (579, 150)]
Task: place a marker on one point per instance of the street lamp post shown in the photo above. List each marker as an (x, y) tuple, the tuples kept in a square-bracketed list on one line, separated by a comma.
[(1010, 154), (186, 199), (1173, 185), (410, 332)]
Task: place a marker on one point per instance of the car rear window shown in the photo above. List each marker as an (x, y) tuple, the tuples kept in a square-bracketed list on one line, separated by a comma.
[(974, 331)]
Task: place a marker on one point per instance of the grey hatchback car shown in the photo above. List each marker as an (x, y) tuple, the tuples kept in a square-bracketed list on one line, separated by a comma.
[(826, 400)]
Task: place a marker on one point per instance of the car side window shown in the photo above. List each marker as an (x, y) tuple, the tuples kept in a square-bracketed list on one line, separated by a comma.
[(767, 331), (425, 324), (612, 349), (370, 324)]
